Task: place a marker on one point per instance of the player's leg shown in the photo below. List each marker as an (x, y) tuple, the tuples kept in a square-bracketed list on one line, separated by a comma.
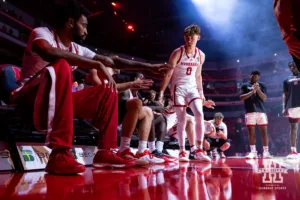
[(224, 145), (161, 130), (181, 117), (250, 119), (252, 141), (49, 96), (158, 130), (190, 132), (101, 104), (160, 124), (146, 118), (197, 108), (293, 138), (133, 111), (262, 122)]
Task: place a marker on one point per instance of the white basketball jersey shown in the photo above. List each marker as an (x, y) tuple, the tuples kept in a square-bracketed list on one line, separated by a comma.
[(185, 70)]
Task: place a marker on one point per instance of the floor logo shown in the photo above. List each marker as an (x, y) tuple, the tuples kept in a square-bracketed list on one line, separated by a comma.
[(272, 172)]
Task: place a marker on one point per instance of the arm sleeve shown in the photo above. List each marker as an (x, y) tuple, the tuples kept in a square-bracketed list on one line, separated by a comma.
[(88, 53), (41, 33), (264, 89), (285, 86), (243, 89)]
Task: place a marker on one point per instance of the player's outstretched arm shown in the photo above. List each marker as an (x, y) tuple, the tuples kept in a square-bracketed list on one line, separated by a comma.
[(121, 63), (175, 56)]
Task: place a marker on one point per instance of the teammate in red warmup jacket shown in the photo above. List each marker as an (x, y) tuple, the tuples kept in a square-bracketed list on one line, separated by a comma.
[(287, 13), (46, 80)]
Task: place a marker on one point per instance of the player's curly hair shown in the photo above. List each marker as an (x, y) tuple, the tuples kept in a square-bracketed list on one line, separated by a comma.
[(192, 30), (68, 9), (255, 72)]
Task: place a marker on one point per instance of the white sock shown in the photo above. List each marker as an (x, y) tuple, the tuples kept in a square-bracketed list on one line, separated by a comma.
[(294, 149), (151, 146), (266, 148), (159, 146), (142, 146), (193, 148), (181, 149), (125, 143), (253, 148)]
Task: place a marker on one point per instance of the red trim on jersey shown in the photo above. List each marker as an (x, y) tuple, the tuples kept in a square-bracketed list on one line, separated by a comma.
[(181, 51), (293, 118), (195, 52), (70, 48), (263, 125), (193, 100), (174, 99), (200, 56)]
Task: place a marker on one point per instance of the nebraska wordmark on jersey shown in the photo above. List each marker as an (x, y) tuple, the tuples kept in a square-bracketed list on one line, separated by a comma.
[(185, 70)]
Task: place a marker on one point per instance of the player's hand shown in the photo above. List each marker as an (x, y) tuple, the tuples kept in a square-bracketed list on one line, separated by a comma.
[(111, 83), (106, 77), (256, 87), (209, 104), (141, 84), (160, 96), (161, 101), (285, 112), (161, 69), (220, 133)]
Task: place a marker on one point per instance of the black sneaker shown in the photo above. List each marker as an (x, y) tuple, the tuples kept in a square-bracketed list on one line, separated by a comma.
[(192, 155), (156, 153), (164, 151), (209, 154), (162, 155)]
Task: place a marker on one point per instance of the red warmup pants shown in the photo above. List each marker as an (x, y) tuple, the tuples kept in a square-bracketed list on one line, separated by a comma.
[(54, 106), (287, 13)]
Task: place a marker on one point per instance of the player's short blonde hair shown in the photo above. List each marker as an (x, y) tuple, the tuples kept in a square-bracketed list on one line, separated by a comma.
[(192, 30)]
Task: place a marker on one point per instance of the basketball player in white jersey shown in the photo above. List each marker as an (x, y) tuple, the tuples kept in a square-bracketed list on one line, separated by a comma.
[(186, 89)]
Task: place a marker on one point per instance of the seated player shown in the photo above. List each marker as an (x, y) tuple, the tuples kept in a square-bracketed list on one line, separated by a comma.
[(217, 139), (132, 114), (46, 94)]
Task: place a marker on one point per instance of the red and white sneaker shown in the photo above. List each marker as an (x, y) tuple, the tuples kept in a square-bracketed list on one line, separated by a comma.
[(108, 158), (61, 161), (183, 156), (146, 155), (127, 154), (252, 155), (267, 155), (199, 155), (166, 157), (293, 155)]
